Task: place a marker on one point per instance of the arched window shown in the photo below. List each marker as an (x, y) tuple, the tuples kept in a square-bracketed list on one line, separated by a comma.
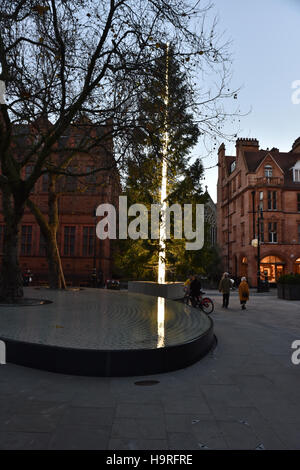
[(244, 260), (272, 259), (268, 171)]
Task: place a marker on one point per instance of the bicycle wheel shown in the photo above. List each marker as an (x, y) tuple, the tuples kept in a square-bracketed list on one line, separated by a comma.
[(207, 305)]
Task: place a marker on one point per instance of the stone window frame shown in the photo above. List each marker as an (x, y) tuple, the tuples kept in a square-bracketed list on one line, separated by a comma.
[(26, 240), (268, 171), (272, 201), (88, 249), (273, 231), (69, 240), (296, 172)]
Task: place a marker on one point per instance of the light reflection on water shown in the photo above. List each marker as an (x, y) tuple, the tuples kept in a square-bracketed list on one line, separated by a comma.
[(161, 322)]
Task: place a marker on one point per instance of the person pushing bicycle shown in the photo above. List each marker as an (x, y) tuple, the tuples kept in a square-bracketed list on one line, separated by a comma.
[(195, 289)]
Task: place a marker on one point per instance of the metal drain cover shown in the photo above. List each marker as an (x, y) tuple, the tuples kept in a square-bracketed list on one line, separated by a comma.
[(145, 383)]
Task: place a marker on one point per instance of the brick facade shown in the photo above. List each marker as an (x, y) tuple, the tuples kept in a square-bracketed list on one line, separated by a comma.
[(81, 251), (268, 180)]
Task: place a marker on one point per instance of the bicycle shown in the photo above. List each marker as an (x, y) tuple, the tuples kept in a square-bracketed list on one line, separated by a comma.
[(204, 303)]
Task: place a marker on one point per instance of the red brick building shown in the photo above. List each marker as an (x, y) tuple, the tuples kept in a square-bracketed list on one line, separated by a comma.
[(80, 249), (268, 180)]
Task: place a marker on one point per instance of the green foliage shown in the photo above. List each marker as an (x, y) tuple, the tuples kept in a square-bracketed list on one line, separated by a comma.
[(139, 258), (155, 117), (289, 279)]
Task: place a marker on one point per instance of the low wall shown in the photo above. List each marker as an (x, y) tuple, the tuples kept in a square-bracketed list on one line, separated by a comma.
[(172, 290)]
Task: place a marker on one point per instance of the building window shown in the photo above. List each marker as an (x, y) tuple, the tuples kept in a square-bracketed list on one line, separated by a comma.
[(69, 241), (272, 226), (261, 200), (91, 180), (268, 171), (213, 235), (42, 245), (233, 185), (243, 234), (26, 240), (28, 172), (2, 229), (298, 233), (297, 175), (88, 241), (70, 181), (298, 202), (45, 183), (272, 200), (242, 204), (234, 233), (232, 167)]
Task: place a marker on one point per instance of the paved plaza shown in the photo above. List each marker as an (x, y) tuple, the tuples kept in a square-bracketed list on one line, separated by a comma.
[(243, 395)]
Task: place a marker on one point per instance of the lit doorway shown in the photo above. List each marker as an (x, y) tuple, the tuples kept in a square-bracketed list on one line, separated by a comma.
[(273, 267), (297, 266)]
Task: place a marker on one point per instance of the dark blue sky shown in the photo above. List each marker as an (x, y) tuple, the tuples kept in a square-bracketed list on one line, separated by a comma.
[(266, 49)]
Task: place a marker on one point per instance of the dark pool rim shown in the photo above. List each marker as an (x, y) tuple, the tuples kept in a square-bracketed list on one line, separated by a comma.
[(26, 302), (109, 363)]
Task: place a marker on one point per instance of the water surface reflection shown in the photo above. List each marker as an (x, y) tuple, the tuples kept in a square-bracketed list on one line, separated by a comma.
[(161, 322)]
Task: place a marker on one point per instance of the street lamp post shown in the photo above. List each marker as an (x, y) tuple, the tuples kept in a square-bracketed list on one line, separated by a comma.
[(260, 217), (253, 212), (95, 251)]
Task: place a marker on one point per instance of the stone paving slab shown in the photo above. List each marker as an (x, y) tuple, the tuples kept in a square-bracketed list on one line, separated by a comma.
[(243, 395)]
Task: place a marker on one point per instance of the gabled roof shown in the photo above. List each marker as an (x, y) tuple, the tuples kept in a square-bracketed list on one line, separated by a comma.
[(283, 159), (269, 154)]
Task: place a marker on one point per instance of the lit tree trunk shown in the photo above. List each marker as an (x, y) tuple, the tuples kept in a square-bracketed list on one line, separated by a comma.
[(11, 285), (49, 230), (56, 275)]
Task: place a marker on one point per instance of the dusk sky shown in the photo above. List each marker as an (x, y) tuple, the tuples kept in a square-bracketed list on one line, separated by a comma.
[(266, 50)]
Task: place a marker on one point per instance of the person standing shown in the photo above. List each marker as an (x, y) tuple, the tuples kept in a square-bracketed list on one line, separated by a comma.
[(243, 292), (186, 285), (195, 289), (224, 287), (27, 278)]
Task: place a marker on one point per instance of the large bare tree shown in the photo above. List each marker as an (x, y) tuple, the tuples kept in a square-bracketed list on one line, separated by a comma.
[(85, 144), (61, 58)]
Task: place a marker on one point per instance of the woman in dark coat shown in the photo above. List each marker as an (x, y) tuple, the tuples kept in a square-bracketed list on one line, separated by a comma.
[(224, 287)]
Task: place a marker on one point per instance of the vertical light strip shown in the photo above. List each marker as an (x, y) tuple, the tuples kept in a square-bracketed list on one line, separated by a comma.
[(163, 190)]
